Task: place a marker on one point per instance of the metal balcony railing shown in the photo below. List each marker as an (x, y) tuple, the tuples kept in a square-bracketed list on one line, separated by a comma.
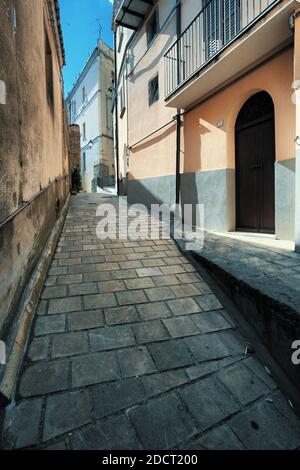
[(218, 24)]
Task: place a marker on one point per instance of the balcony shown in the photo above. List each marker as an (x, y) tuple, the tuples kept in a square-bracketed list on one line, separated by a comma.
[(208, 53), (131, 13)]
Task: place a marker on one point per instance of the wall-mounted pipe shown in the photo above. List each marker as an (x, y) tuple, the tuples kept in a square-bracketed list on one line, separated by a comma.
[(116, 113), (178, 115)]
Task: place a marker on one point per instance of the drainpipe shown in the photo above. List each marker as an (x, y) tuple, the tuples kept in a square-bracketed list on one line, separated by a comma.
[(178, 115), (116, 113)]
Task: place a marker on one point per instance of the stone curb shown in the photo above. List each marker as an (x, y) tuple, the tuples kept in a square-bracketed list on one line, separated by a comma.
[(27, 310)]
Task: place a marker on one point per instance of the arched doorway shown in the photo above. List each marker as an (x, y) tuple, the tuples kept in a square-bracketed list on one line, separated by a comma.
[(255, 158)]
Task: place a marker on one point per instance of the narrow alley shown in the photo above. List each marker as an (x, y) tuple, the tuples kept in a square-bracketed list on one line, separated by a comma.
[(131, 349), (149, 232)]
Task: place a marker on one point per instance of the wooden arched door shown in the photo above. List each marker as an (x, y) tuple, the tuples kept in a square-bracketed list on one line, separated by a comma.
[(255, 159)]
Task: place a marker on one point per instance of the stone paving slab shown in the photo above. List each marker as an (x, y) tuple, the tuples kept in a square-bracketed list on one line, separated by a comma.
[(111, 397), (135, 362), (85, 320), (150, 332), (242, 383), (162, 423), (156, 384), (38, 349), (65, 412), (104, 339), (114, 433), (171, 354), (209, 402), (221, 438), (262, 427), (50, 324), (21, 428), (44, 377), (69, 344), (94, 368), (131, 349), (151, 311), (181, 327), (120, 315)]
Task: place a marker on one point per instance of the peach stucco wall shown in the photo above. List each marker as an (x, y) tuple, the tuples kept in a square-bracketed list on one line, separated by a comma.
[(204, 145), (156, 155), (209, 147)]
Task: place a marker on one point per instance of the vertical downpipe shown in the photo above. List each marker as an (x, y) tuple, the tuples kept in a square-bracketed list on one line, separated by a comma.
[(116, 113), (178, 116)]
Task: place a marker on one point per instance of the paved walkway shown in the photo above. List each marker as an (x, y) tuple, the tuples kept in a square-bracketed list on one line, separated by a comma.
[(131, 350)]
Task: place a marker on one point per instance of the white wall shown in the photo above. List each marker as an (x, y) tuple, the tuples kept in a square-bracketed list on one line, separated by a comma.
[(189, 10), (92, 159), (143, 62), (95, 112), (87, 112)]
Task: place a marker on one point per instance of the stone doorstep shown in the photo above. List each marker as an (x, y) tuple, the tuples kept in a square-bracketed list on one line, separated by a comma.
[(248, 292)]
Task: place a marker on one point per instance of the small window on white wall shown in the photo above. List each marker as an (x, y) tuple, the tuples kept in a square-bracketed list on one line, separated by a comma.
[(153, 90), (122, 99), (84, 131), (152, 27), (73, 110), (84, 161), (83, 94)]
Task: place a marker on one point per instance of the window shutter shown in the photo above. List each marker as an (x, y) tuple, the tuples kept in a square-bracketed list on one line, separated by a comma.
[(212, 30), (231, 19), (222, 22)]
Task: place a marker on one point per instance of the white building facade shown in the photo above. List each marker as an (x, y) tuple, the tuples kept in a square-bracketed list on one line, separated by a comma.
[(89, 105)]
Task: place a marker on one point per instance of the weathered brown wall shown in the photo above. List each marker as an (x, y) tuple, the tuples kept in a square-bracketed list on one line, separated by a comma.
[(74, 134), (33, 146)]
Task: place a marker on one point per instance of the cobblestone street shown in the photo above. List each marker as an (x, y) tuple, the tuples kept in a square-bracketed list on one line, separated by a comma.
[(130, 349)]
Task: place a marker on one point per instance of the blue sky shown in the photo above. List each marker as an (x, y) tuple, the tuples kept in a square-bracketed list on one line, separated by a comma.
[(81, 21)]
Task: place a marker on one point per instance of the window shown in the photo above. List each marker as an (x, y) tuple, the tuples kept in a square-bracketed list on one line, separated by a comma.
[(222, 22), (153, 90), (73, 103), (231, 19), (83, 94), (84, 161), (108, 114), (212, 28), (49, 70), (152, 27), (14, 18), (122, 99), (84, 131)]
